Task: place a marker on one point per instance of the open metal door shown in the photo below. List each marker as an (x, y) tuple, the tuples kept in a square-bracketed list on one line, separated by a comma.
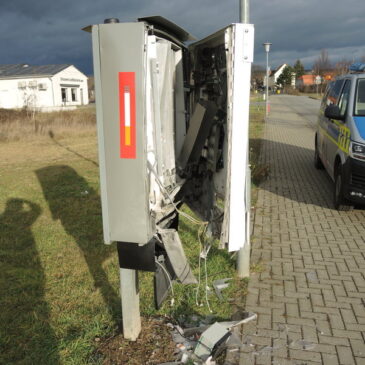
[(214, 157)]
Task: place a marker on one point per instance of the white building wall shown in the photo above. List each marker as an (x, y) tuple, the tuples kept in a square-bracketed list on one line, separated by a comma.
[(70, 78), (274, 78), (45, 92), (27, 92)]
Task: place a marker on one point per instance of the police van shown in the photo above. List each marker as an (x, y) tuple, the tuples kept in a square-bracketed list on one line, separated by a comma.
[(340, 137)]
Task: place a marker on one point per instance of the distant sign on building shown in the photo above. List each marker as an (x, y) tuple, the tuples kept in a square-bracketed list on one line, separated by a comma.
[(46, 88)]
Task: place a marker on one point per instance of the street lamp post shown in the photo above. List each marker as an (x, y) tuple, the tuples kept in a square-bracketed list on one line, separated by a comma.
[(267, 50)]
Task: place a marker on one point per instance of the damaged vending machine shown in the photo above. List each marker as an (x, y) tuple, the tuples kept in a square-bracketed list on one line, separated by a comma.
[(172, 129)]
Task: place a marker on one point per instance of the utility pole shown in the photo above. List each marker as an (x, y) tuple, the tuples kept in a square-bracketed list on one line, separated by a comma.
[(244, 11), (267, 50), (243, 257)]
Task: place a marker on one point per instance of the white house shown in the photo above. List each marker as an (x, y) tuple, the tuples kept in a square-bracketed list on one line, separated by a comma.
[(275, 74), (273, 78), (46, 88)]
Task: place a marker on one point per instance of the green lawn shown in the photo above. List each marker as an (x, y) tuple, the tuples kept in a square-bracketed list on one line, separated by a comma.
[(258, 171), (59, 283)]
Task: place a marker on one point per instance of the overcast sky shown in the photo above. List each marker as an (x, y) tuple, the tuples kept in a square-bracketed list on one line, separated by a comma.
[(48, 31)]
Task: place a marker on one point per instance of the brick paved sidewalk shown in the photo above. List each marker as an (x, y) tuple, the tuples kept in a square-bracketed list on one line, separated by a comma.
[(309, 287)]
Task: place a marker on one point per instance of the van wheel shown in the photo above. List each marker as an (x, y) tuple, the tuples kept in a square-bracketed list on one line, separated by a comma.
[(339, 200), (318, 164)]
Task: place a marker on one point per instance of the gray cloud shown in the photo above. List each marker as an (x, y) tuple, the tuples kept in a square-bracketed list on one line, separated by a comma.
[(300, 29), (43, 31)]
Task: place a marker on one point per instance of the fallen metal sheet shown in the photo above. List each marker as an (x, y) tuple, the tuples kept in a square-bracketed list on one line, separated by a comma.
[(162, 281), (209, 339), (176, 254), (194, 330), (248, 317), (229, 325), (219, 285)]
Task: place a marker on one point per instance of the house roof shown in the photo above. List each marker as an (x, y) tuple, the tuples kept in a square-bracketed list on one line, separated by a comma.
[(25, 70), (273, 72)]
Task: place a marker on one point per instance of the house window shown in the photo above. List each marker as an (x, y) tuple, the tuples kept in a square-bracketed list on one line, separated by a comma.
[(73, 94), (64, 94)]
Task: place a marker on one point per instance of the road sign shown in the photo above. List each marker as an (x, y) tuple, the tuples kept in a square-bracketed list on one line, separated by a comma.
[(318, 80)]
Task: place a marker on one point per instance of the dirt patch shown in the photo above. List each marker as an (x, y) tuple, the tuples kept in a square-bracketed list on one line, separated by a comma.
[(154, 346)]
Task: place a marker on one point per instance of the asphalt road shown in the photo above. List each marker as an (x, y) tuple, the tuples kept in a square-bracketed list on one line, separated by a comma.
[(304, 106)]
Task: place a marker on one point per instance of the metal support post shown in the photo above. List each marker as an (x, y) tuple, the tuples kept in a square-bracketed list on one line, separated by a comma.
[(267, 83), (243, 256), (130, 303), (243, 260), (244, 11)]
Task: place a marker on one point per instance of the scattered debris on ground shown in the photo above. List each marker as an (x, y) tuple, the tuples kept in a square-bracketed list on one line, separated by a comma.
[(249, 349), (205, 343), (219, 285), (195, 340)]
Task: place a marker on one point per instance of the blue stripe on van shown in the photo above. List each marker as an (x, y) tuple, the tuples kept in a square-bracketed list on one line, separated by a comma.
[(360, 124)]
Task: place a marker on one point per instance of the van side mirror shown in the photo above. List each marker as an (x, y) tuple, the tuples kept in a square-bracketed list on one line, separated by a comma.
[(333, 112)]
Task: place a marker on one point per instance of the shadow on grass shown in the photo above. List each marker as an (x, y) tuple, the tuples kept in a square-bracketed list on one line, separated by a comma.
[(26, 336), (59, 144), (77, 206)]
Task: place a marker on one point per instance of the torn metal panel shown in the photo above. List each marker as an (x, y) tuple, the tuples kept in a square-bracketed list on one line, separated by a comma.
[(199, 128), (245, 318), (169, 27), (209, 339), (180, 112), (162, 280), (176, 254), (166, 74), (219, 285), (161, 119)]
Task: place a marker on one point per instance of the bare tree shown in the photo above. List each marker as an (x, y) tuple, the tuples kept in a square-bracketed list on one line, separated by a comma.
[(342, 67), (258, 73), (322, 63), (91, 87)]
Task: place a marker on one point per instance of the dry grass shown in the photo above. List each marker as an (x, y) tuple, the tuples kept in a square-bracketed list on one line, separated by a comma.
[(22, 124), (59, 283)]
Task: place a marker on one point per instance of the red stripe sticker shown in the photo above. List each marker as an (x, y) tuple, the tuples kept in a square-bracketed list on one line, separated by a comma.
[(127, 114)]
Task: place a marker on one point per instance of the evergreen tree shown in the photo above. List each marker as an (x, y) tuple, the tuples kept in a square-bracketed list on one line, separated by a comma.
[(298, 69), (286, 77)]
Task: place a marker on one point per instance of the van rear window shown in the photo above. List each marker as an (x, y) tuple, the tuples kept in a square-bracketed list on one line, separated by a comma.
[(360, 98)]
